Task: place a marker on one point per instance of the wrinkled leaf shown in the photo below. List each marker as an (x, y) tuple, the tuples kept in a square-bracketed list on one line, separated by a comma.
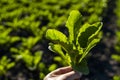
[(87, 32), (56, 35), (57, 49), (97, 34), (73, 24), (89, 47), (92, 41)]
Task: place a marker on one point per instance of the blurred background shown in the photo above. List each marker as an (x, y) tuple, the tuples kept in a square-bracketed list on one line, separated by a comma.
[(24, 53)]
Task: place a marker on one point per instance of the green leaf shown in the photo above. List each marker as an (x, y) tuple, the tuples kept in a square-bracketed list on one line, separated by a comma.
[(56, 35), (92, 41), (41, 66), (89, 47), (68, 59), (116, 77), (41, 75), (73, 24), (2, 70), (37, 57), (30, 42), (116, 57), (10, 65), (58, 58), (52, 67), (14, 39), (97, 34), (57, 49), (87, 33)]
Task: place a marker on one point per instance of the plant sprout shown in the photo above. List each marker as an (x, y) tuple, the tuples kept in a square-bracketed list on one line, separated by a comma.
[(74, 48)]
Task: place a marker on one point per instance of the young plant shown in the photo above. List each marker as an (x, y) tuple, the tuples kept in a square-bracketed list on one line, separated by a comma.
[(75, 47), (5, 65), (31, 60)]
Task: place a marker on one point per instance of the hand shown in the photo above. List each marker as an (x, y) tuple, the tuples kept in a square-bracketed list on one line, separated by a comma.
[(64, 73)]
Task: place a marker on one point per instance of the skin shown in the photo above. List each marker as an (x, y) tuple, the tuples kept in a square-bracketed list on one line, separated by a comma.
[(64, 73)]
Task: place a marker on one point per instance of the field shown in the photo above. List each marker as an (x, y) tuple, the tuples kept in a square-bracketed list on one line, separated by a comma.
[(24, 53)]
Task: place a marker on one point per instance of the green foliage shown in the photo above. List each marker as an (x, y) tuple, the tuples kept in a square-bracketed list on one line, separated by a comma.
[(116, 78), (81, 39), (29, 14), (31, 61), (52, 67), (23, 24), (5, 65), (116, 57), (4, 36), (30, 42)]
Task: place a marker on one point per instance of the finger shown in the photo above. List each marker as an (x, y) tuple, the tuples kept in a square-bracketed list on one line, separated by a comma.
[(71, 75), (62, 70)]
